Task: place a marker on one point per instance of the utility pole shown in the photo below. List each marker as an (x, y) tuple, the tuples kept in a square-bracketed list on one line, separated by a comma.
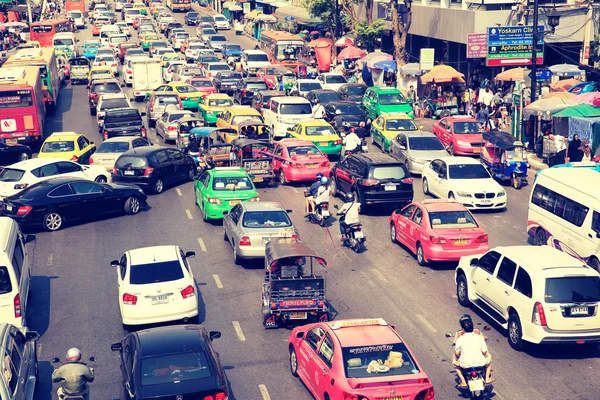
[(29, 15)]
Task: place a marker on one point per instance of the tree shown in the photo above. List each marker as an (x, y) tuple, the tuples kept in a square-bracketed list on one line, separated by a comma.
[(595, 50), (368, 34), (402, 18), (325, 10)]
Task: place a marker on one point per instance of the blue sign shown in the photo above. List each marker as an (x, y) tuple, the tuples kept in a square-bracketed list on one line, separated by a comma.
[(290, 18), (513, 45), (542, 74)]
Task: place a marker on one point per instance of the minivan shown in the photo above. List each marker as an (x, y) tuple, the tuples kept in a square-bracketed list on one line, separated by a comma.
[(283, 112), (65, 39)]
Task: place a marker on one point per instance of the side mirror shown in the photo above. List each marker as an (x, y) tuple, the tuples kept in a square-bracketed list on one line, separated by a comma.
[(474, 262), (225, 213), (597, 235), (29, 238), (55, 360), (116, 346), (93, 359), (122, 85), (92, 143), (131, 99), (32, 336), (196, 177), (190, 254), (214, 335), (300, 335), (336, 207), (115, 263), (289, 211), (441, 175), (88, 87), (143, 113)]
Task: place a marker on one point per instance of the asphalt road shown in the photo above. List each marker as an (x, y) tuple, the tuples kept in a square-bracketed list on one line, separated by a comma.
[(74, 294)]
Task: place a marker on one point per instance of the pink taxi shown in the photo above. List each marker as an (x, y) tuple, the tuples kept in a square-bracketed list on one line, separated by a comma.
[(298, 160)]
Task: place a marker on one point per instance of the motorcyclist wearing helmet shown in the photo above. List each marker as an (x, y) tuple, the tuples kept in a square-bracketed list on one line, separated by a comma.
[(318, 110), (351, 140), (348, 214), (310, 194), (322, 193), (471, 351), (74, 375), (193, 144)]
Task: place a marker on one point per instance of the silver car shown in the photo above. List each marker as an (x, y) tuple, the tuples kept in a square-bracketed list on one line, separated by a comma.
[(20, 366), (249, 226), (415, 149), (112, 148), (166, 126), (158, 102)]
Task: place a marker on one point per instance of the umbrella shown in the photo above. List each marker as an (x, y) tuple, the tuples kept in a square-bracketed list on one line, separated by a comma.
[(565, 70), (514, 74), (411, 69), (320, 42), (581, 110), (592, 98), (379, 57), (350, 53), (344, 41), (443, 74), (386, 65), (546, 107), (564, 85), (15, 25), (561, 95)]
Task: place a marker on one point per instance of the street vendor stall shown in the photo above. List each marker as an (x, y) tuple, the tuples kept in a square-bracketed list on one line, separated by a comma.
[(448, 79), (232, 11)]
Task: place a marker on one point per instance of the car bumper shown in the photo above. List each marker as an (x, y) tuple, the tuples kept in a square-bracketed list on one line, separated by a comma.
[(211, 118), (251, 251), (481, 204), (171, 135), (217, 211), (416, 168), (331, 150), (543, 335), (158, 314), (246, 101), (299, 175), (190, 104), (387, 198), (437, 253), (132, 180), (467, 151)]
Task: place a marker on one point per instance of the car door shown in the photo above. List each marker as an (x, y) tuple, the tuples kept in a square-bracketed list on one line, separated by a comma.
[(413, 229), (343, 177), (438, 130), (368, 104), (201, 194), (230, 223), (16, 366), (91, 199), (69, 168), (180, 171), (165, 168), (403, 223), (321, 366), (398, 147), (481, 279), (377, 127), (442, 183), (127, 365), (306, 353), (277, 162), (501, 287), (430, 172), (65, 202), (161, 124)]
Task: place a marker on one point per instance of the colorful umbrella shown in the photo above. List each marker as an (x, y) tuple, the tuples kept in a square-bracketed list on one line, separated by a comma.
[(351, 53), (564, 85), (320, 42), (581, 110), (344, 41), (386, 65), (592, 98), (513, 75), (379, 57), (443, 74), (560, 95), (546, 107)]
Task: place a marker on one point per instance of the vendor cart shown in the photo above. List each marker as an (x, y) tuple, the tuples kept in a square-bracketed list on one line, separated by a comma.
[(254, 157), (505, 158)]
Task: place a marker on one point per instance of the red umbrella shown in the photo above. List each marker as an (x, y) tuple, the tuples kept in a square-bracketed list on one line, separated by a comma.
[(344, 42), (350, 53)]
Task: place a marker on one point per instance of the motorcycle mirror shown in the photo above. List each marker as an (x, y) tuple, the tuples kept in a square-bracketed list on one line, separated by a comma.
[(214, 335), (32, 336), (449, 335), (114, 263), (55, 360), (92, 359), (190, 254), (116, 347)]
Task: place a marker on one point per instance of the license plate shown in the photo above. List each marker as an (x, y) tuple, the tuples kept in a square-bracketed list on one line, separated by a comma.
[(312, 165), (325, 213), (579, 311), (461, 242), (323, 144), (234, 202), (477, 150), (128, 172), (162, 299), (389, 187), (359, 235), (9, 207), (297, 315), (476, 384), (486, 201), (11, 141), (257, 179), (394, 398)]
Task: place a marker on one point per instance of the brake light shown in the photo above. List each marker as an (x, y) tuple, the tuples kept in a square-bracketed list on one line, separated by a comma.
[(539, 316), (217, 396), (474, 374), (172, 128), (129, 71), (183, 97), (212, 200), (91, 160), (17, 304), (350, 396), (22, 185), (437, 240), (324, 206), (74, 158), (244, 91), (325, 164), (427, 394), (143, 132), (338, 142), (105, 135), (148, 171), (245, 241), (482, 239), (257, 198), (188, 292), (408, 181), (24, 210), (295, 237), (115, 170), (129, 299), (369, 182)]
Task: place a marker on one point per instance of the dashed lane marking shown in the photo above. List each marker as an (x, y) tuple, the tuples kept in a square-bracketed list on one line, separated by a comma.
[(264, 392), (178, 191), (189, 214), (426, 323), (380, 275), (50, 257), (218, 281), (238, 331), (201, 243)]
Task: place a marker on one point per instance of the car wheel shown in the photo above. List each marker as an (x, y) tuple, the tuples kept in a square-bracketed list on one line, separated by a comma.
[(333, 187), (515, 334), (282, 180), (236, 258), (540, 238), (425, 187), (204, 216), (100, 179), (191, 174), (24, 156), (594, 263), (53, 221), (293, 362), (421, 256), (132, 205), (462, 291), (451, 149), (158, 186), (393, 233)]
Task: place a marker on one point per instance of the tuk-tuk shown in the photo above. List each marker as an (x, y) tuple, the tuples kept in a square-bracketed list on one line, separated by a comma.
[(213, 151), (253, 156), (253, 130), (185, 126), (80, 69), (505, 158), (292, 291)]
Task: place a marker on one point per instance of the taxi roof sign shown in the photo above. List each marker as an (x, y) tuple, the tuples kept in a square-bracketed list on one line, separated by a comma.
[(358, 322)]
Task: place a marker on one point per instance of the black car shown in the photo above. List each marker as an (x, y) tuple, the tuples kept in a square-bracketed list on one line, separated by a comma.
[(374, 178), (12, 153), (262, 97), (172, 25), (171, 362), (191, 18), (225, 81), (245, 89), (153, 168), (125, 121), (343, 115), (56, 201), (322, 96), (353, 92)]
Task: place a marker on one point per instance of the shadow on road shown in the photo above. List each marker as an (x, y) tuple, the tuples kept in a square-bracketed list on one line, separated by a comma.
[(38, 308), (43, 389)]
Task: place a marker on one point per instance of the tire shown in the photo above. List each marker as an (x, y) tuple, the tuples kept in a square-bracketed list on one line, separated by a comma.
[(421, 256), (594, 263), (516, 182), (53, 221), (515, 333), (24, 156), (225, 238), (462, 291), (158, 186), (451, 149), (540, 238), (426, 187), (100, 179), (92, 110), (236, 258), (393, 233), (132, 205), (204, 217), (333, 187), (282, 180), (293, 362)]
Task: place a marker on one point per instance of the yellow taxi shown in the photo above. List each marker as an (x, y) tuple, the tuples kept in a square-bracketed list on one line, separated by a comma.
[(388, 125), (147, 38), (320, 132), (100, 73), (169, 57), (189, 95), (212, 105), (68, 146), (141, 7), (233, 116)]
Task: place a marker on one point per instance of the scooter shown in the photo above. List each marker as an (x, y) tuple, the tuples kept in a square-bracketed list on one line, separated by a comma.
[(355, 237), (475, 378), (74, 396), (363, 148), (321, 214)]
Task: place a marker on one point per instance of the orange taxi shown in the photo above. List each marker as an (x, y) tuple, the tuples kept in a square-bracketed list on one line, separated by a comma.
[(96, 29)]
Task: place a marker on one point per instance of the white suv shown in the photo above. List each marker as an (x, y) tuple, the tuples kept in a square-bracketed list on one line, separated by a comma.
[(285, 111), (109, 101), (253, 60), (539, 294)]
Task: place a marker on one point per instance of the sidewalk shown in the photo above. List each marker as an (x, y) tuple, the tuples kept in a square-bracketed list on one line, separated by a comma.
[(535, 162)]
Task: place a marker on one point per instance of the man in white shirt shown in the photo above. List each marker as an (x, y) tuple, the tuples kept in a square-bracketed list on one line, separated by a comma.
[(318, 110), (349, 213), (323, 192), (351, 141), (471, 351), (560, 144)]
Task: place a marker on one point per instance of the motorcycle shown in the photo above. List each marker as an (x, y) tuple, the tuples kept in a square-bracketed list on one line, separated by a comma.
[(321, 214), (475, 378), (74, 396), (355, 237), (363, 148), (200, 164)]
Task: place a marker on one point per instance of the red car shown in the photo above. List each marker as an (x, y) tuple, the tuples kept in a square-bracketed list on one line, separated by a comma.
[(123, 47), (267, 74), (298, 160), (460, 134), (203, 85), (356, 359), (438, 230), (96, 29)]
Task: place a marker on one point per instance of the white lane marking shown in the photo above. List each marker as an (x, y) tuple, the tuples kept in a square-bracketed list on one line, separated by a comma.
[(201, 243), (516, 227), (264, 392), (178, 191), (380, 275), (294, 189), (218, 281), (426, 323), (238, 331), (189, 214), (50, 257)]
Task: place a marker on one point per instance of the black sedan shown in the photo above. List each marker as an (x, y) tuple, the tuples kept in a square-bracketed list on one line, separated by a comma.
[(174, 362), (353, 92), (322, 96), (343, 115), (191, 18), (226, 81), (245, 89), (54, 202), (12, 153)]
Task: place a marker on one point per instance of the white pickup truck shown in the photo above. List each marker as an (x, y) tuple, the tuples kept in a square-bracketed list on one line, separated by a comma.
[(284, 112)]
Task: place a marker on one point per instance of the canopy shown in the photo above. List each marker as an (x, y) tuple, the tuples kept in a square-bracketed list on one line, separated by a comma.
[(386, 65), (350, 53), (344, 41), (565, 84), (232, 6), (500, 139), (188, 118), (581, 110), (443, 74), (266, 18), (411, 69), (320, 42), (285, 248), (592, 98), (514, 74), (380, 57), (546, 107), (248, 142), (253, 14), (204, 131), (565, 70), (561, 95), (300, 15)]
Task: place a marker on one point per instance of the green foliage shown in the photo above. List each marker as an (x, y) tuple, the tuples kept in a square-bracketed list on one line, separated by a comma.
[(368, 35), (595, 50), (322, 9)]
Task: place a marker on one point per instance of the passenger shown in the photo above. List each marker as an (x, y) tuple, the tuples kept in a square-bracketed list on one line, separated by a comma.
[(471, 351), (311, 194)]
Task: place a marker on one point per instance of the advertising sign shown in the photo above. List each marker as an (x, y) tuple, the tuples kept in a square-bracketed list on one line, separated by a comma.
[(427, 59), (246, 7), (513, 45), (477, 44)]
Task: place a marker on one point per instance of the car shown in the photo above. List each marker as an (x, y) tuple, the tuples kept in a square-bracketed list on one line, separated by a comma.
[(462, 135), (78, 18), (108, 61), (110, 15), (110, 149), (192, 40), (345, 352), (166, 125), (189, 95), (179, 38), (332, 80), (302, 87), (207, 19), (99, 73), (168, 55), (465, 180), (225, 82), (124, 28), (249, 226), (192, 50), (132, 53), (218, 190), (98, 87), (155, 285), (345, 115), (67, 146), (21, 373), (147, 38), (216, 42), (261, 98), (320, 133), (107, 102), (204, 85), (374, 178), (387, 126), (191, 18), (54, 202), (90, 48), (353, 92), (105, 50), (233, 116), (98, 24), (415, 149), (128, 49), (233, 50), (158, 102), (268, 74), (155, 45), (437, 230), (125, 121), (246, 88), (205, 33), (207, 56), (538, 294), (385, 99), (146, 28), (221, 22), (147, 354), (322, 96), (299, 160), (131, 14), (211, 68), (253, 60), (181, 74), (170, 67), (213, 104), (12, 152)]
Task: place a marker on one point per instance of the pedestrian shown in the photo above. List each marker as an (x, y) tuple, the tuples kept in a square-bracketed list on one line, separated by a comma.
[(482, 116), (574, 154), (434, 92), (560, 145), (587, 151), (412, 95)]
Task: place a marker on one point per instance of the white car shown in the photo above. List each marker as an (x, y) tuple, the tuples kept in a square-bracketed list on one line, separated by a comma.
[(105, 50), (332, 80), (192, 53), (465, 180), (206, 33), (163, 50), (301, 87), (166, 125), (119, 4), (125, 29), (106, 60), (169, 68), (23, 174), (131, 14), (109, 101), (253, 60), (156, 284), (211, 69), (179, 38), (221, 22), (112, 148)]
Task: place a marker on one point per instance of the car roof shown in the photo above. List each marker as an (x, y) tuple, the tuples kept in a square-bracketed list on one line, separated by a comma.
[(577, 178), (57, 136), (295, 142), (113, 96), (153, 254), (143, 151), (291, 100), (254, 52), (314, 122), (460, 160), (170, 340), (384, 89), (307, 81), (243, 110), (33, 163), (377, 158), (461, 118), (227, 171), (262, 206), (363, 335), (436, 205), (218, 96), (412, 134), (546, 261)]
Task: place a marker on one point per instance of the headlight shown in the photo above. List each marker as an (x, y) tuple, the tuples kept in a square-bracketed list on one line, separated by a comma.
[(462, 143), (501, 193), (464, 194)]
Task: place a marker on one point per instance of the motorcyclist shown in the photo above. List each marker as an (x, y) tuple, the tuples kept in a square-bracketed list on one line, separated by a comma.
[(470, 351), (193, 145), (310, 194), (74, 375), (318, 110), (351, 141), (322, 193), (348, 214)]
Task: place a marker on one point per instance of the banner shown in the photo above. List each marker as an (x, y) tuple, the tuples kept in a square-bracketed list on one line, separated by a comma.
[(427, 59)]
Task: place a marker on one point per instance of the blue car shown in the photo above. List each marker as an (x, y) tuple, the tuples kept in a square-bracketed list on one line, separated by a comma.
[(90, 48), (232, 50)]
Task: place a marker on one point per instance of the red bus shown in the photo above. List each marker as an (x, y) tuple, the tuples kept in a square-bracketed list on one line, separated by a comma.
[(22, 109), (75, 5), (44, 31), (283, 48)]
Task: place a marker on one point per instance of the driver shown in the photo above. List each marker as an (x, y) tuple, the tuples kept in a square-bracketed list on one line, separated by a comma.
[(74, 375), (351, 140), (193, 145), (471, 351)]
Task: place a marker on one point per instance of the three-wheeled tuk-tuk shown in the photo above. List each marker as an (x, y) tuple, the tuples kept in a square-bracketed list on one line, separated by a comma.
[(254, 157), (80, 69), (253, 130), (292, 291), (505, 158), (185, 126)]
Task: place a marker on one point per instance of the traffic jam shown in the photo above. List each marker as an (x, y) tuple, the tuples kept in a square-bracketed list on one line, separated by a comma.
[(229, 222)]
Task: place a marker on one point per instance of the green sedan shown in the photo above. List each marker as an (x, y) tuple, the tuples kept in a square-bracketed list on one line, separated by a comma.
[(218, 190), (379, 100)]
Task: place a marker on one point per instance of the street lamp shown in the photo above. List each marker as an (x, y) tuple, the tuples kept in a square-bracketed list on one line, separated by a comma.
[(553, 19)]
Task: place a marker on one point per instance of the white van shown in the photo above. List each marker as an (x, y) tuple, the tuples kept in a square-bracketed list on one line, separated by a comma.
[(65, 39), (106, 31), (564, 212), (284, 112), (15, 273), (115, 39)]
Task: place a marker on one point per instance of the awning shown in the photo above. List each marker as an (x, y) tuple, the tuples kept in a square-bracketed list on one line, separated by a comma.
[(300, 15), (232, 6)]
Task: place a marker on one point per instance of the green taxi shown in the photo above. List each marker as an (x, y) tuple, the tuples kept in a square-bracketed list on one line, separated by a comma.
[(64, 51), (212, 104), (377, 100), (321, 133), (388, 125), (217, 190), (146, 40)]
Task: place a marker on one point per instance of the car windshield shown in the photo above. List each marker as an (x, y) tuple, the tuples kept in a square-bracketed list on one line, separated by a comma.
[(357, 90), (192, 14), (295, 109), (63, 42), (113, 147), (219, 67), (106, 87), (135, 52), (257, 86), (452, 220), (231, 183), (246, 118), (319, 131), (468, 171), (400, 125), (158, 44), (75, 14), (91, 46), (327, 97), (208, 31), (220, 18), (573, 289), (391, 98), (182, 35), (335, 79), (388, 172), (131, 161), (11, 175), (220, 102), (186, 89), (424, 143), (349, 109), (114, 103), (235, 76), (233, 47), (122, 116), (303, 150), (196, 46), (164, 100), (308, 86), (378, 360), (157, 272), (175, 368), (266, 219), (258, 57), (467, 127), (218, 38), (58, 147)]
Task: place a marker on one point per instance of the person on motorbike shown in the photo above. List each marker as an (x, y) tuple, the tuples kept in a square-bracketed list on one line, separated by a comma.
[(322, 193), (352, 141), (348, 214), (310, 194), (318, 110), (193, 144), (471, 351), (75, 376)]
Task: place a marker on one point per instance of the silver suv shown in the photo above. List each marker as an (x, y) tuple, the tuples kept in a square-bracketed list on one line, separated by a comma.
[(19, 363)]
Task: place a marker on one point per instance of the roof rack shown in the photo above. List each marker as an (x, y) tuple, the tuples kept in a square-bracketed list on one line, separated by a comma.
[(359, 322)]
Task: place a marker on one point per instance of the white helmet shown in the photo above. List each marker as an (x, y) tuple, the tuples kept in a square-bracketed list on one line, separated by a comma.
[(73, 355)]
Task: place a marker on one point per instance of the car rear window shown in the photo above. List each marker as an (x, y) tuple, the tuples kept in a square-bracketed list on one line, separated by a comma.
[(5, 284), (113, 147), (58, 147), (388, 172), (106, 87), (573, 289), (186, 89), (176, 116), (356, 90), (452, 220), (218, 67), (131, 161), (231, 77), (328, 97), (123, 116), (114, 103), (319, 131), (335, 79), (165, 100), (201, 83), (358, 359), (218, 38), (167, 271), (222, 184), (257, 86), (307, 86), (11, 175), (175, 368), (303, 150), (258, 57), (266, 219), (295, 109), (425, 143)]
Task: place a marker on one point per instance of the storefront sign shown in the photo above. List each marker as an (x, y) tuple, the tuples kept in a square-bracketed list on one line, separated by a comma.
[(246, 7), (427, 59), (477, 45), (513, 45)]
